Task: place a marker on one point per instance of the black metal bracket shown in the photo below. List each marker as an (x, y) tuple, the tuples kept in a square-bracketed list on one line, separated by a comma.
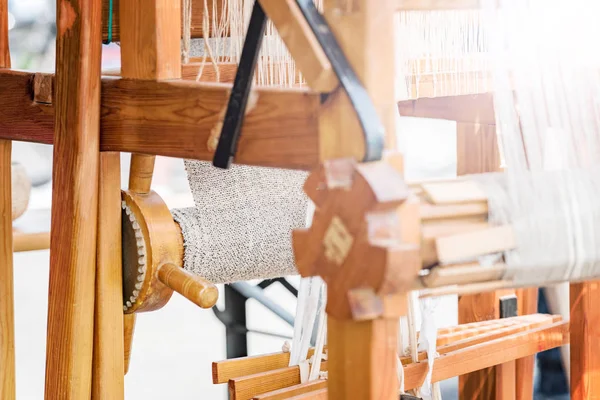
[(373, 129)]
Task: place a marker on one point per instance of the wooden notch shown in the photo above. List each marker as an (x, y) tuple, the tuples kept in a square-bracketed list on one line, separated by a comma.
[(194, 288)]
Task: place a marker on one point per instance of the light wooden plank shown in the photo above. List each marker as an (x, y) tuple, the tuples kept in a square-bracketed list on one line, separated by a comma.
[(470, 108), (454, 192), (465, 246)]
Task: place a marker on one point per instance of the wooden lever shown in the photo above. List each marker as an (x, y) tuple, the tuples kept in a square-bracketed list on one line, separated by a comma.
[(194, 288)]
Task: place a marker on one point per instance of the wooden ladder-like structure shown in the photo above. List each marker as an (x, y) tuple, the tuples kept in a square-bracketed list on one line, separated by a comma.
[(150, 110)]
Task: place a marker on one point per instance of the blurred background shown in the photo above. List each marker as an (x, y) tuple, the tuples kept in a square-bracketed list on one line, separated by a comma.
[(173, 348)]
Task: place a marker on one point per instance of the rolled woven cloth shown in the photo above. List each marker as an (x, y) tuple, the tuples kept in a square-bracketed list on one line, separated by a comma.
[(241, 226)]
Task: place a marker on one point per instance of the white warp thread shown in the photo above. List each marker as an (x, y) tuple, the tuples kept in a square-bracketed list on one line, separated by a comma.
[(241, 226)]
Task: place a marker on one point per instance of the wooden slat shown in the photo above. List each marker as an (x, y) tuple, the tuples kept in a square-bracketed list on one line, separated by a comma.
[(454, 192), (7, 327), (176, 119), (295, 390), (128, 329), (470, 108), (247, 387), (74, 200), (108, 379), (468, 245), (7, 319), (197, 16), (318, 395), (585, 346)]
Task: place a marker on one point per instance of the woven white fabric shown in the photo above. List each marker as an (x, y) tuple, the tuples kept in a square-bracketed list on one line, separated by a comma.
[(241, 226)]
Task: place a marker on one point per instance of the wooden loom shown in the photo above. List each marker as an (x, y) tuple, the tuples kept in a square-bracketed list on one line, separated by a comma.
[(148, 111)]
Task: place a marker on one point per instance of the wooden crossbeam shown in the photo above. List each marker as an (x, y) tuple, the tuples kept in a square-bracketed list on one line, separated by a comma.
[(470, 108), (174, 119)]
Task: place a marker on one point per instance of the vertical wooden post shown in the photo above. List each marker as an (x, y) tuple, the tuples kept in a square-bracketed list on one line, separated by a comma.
[(7, 320), (150, 50), (74, 200), (108, 379), (477, 152), (585, 341), (528, 304), (362, 354)]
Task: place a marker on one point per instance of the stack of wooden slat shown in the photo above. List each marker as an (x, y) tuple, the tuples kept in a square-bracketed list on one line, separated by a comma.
[(462, 349)]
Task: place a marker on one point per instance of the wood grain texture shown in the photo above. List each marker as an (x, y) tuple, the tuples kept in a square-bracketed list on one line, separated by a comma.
[(585, 340), (21, 118), (475, 108), (197, 16), (7, 327), (107, 379), (362, 358), (175, 119), (359, 26), (150, 46), (74, 200)]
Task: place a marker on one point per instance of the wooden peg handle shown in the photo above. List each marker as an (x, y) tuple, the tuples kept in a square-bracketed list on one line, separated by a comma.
[(192, 287)]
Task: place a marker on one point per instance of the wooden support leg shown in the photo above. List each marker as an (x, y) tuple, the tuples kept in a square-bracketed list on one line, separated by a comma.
[(477, 152), (108, 381), (74, 200), (363, 359), (528, 304), (7, 320), (7, 324), (585, 341)]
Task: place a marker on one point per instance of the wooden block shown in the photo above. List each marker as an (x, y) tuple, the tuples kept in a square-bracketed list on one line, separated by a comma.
[(470, 108), (456, 192), (74, 200), (465, 246)]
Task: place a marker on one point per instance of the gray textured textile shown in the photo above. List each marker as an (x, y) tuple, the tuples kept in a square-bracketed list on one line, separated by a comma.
[(241, 226)]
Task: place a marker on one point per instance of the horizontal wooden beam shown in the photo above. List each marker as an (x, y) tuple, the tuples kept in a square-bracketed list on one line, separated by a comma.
[(433, 5), (471, 108), (197, 16), (173, 118)]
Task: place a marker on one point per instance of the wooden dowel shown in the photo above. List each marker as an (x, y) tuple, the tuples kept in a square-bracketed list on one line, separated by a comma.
[(7, 328), (107, 379), (30, 241), (194, 288), (140, 173), (128, 329)]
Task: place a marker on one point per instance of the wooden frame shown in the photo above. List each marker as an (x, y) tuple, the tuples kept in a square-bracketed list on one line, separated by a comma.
[(89, 118)]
